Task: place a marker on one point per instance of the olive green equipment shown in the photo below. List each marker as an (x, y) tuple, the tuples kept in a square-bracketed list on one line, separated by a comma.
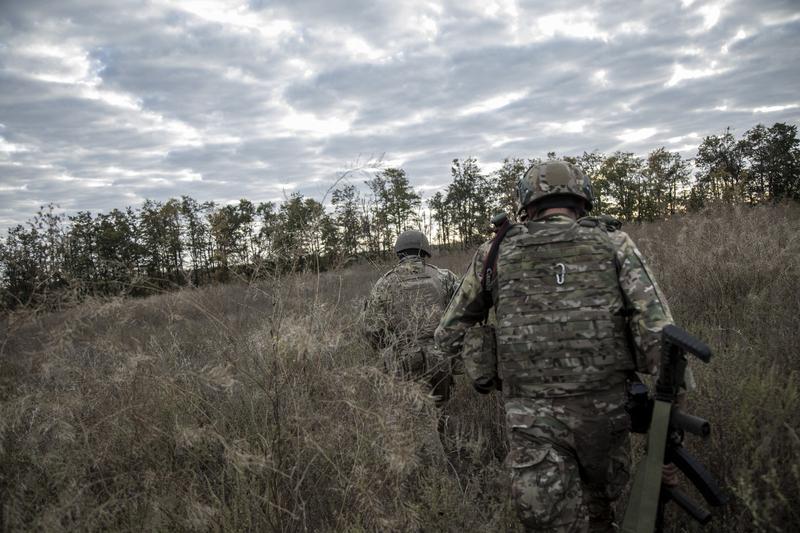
[(665, 425)]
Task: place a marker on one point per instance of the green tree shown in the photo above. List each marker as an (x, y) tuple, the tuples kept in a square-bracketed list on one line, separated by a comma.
[(720, 176), (395, 204), (117, 251), (592, 164), (504, 185), (80, 263), (773, 160), (621, 173), (298, 241), (196, 236), (32, 261), (226, 225), (469, 201), (440, 213), (666, 175), (268, 221), (346, 201)]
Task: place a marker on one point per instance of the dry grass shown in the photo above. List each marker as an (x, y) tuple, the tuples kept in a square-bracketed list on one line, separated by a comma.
[(259, 407)]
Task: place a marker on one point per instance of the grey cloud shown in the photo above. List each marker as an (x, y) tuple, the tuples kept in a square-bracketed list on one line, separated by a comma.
[(212, 99)]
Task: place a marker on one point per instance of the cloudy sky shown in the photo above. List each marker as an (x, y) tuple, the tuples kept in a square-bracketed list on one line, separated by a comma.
[(106, 103)]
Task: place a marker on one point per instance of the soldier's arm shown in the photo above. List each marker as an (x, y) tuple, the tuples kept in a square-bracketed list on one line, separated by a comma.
[(375, 312), (467, 308), (450, 283), (648, 308)]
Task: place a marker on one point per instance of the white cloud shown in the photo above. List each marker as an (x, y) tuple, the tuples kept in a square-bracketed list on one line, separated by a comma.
[(681, 138), (775, 108), (11, 148), (637, 135), (311, 124), (11, 188), (778, 20), (636, 27), (570, 126), (496, 141), (361, 50), (600, 77), (90, 183), (711, 14), (492, 166), (577, 24), (685, 148), (691, 51), (494, 103), (681, 73), (740, 35), (237, 16)]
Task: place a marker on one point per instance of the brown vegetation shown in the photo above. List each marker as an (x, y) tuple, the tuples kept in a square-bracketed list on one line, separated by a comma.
[(259, 407)]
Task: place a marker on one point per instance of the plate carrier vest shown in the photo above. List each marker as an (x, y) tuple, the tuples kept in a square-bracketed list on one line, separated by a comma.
[(561, 329), (419, 300)]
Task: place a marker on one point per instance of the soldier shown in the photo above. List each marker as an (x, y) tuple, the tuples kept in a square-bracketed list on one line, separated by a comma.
[(577, 312), (403, 310)]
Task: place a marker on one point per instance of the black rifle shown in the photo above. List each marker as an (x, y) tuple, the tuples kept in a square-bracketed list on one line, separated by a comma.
[(665, 425)]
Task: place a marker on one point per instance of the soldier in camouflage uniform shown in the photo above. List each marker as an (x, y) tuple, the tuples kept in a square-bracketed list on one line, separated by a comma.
[(577, 312), (403, 310)]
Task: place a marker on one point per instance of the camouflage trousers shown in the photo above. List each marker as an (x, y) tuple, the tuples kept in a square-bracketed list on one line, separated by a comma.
[(569, 460), (423, 363)]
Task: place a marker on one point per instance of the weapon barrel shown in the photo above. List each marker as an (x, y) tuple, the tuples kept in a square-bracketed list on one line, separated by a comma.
[(685, 503), (693, 424), (698, 475)]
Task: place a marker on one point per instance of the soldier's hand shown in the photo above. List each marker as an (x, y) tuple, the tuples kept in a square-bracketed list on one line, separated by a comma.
[(485, 385), (669, 475)]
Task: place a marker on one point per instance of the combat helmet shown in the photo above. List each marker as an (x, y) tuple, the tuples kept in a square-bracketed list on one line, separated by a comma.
[(553, 180), (412, 239)]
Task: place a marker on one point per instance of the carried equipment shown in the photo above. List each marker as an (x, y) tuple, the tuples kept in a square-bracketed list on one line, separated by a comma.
[(665, 425)]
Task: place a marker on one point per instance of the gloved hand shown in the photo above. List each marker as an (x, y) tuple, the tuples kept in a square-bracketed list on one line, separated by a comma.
[(485, 385), (669, 475)]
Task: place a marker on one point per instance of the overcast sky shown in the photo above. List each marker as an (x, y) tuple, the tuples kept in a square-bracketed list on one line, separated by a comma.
[(106, 103)]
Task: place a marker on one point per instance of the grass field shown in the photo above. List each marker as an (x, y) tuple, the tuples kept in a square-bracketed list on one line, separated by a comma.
[(259, 407)]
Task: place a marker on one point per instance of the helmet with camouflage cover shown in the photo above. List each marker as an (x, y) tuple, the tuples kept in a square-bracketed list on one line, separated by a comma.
[(412, 240), (551, 179)]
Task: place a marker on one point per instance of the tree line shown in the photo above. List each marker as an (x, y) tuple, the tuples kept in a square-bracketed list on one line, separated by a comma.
[(185, 242)]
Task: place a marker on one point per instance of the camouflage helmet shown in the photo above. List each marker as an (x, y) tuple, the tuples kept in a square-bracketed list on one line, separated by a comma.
[(412, 240), (554, 178)]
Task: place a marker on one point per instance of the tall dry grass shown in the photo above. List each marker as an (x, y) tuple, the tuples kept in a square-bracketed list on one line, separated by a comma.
[(260, 407)]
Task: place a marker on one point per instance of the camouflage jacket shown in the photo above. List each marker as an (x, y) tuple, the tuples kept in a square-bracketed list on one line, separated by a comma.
[(647, 307), (405, 304)]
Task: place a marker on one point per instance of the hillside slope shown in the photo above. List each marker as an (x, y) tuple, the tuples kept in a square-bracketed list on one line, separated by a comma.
[(259, 407)]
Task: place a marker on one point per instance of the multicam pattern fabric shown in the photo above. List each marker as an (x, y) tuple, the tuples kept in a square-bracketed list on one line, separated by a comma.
[(560, 293), (401, 315), (647, 307), (480, 353), (569, 460)]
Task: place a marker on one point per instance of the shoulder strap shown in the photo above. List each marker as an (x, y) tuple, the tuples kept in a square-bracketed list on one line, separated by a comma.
[(502, 225)]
